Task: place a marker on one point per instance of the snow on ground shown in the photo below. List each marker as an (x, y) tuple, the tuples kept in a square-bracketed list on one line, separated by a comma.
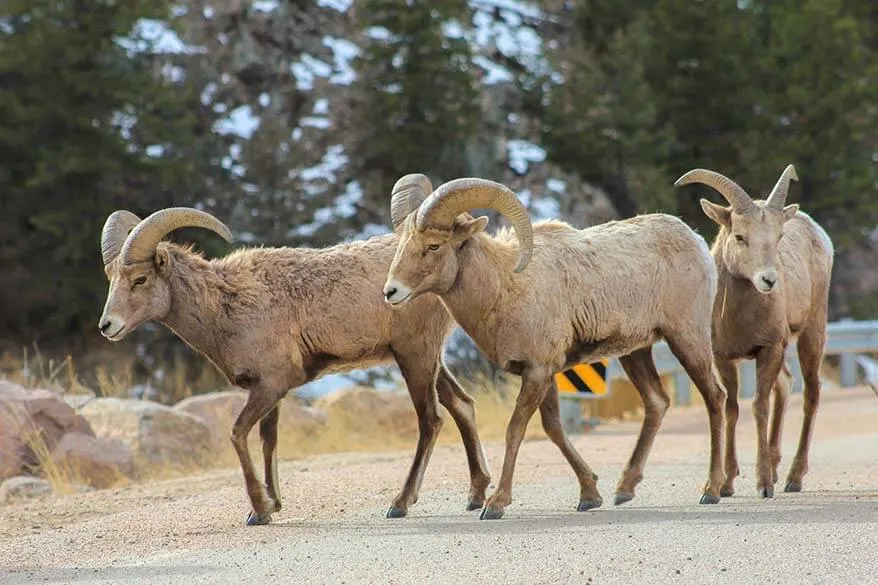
[(521, 153), (154, 36)]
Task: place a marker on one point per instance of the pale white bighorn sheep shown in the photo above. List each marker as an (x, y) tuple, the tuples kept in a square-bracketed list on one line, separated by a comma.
[(610, 290), (774, 265), (272, 319)]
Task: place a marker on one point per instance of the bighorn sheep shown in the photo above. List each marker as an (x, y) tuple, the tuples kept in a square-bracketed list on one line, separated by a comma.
[(609, 290), (272, 319), (774, 266)]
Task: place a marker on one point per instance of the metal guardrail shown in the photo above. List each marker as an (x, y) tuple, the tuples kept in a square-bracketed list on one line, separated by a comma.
[(845, 338)]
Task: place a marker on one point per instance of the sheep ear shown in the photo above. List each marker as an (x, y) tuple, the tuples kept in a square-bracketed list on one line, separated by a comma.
[(163, 261), (790, 211), (718, 213), (467, 228)]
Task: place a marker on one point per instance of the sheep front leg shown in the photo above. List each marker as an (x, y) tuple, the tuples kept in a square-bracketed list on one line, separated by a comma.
[(728, 373), (259, 404), (268, 433), (769, 360), (778, 410), (535, 382), (811, 342)]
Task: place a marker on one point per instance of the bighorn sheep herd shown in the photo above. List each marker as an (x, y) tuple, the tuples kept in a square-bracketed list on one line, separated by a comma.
[(536, 299)]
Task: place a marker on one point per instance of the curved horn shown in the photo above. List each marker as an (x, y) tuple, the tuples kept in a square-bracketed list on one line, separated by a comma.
[(778, 195), (462, 195), (115, 232), (734, 194), (407, 195), (141, 243)]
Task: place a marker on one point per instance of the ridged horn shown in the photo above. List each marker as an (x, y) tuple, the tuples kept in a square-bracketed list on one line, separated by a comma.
[(778, 196), (462, 195), (733, 193), (407, 195), (142, 241), (115, 232)]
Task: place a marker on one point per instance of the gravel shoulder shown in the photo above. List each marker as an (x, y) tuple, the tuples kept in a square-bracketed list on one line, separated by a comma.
[(332, 528)]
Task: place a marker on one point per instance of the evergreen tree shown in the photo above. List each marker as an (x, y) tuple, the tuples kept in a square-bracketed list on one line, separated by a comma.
[(417, 100)]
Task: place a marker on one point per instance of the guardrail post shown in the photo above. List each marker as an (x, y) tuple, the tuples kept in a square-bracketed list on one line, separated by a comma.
[(681, 388), (847, 366), (747, 378)]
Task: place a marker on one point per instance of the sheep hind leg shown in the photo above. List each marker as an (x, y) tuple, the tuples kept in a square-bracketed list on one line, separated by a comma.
[(781, 392), (695, 356), (268, 433), (641, 371), (769, 360), (421, 383), (259, 403), (535, 382), (550, 413), (462, 409), (811, 342)]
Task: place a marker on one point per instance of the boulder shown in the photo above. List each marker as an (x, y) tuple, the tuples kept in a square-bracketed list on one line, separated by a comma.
[(157, 434), (367, 411), (23, 487), (32, 421), (220, 409), (98, 462)]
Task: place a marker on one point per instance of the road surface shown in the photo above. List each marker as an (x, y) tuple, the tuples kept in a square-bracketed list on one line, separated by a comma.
[(332, 528)]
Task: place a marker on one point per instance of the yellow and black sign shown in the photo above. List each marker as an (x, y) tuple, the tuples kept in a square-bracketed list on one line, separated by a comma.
[(584, 378)]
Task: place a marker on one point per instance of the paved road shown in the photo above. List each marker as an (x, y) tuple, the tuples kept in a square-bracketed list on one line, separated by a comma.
[(332, 528)]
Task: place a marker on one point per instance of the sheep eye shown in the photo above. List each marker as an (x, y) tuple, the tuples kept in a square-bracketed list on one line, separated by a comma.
[(740, 239), (139, 280), (433, 247)]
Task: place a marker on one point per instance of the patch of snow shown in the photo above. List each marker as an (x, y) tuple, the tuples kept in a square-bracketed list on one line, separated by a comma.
[(296, 134), (173, 73), (515, 6), (379, 33), (452, 29), (332, 161), (338, 5), (179, 10), (521, 153), (392, 88), (540, 208), (494, 73), (5, 27), (321, 107), (513, 118), (397, 60), (208, 12), (154, 36), (321, 122), (371, 230), (155, 150), (344, 203), (124, 122), (264, 5), (240, 122), (264, 99), (343, 52), (556, 185), (306, 69)]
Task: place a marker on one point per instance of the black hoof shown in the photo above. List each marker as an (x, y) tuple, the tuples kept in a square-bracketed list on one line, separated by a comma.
[(490, 513), (793, 486), (766, 492), (622, 497), (474, 505), (585, 505), (709, 499), (726, 492), (254, 519), (394, 512)]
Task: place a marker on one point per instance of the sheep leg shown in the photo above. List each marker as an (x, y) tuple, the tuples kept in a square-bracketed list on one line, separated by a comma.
[(550, 413), (698, 363), (641, 371), (769, 360), (728, 373), (535, 382), (259, 403), (421, 383), (462, 409), (781, 392), (268, 433), (811, 342)]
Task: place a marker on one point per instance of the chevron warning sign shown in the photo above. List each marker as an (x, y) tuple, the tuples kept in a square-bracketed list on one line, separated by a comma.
[(584, 378)]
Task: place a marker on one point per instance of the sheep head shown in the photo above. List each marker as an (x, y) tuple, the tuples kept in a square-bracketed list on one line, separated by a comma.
[(138, 267), (751, 230), (426, 257)]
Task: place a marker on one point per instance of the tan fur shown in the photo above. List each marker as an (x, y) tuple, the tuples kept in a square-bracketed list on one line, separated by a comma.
[(755, 325), (606, 291), (272, 319)]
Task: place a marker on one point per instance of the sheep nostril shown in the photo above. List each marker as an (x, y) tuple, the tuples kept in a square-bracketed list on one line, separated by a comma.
[(104, 326), (389, 292)]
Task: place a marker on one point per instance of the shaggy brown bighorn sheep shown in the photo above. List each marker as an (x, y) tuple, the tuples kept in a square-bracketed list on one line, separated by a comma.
[(610, 290), (774, 265), (272, 319)]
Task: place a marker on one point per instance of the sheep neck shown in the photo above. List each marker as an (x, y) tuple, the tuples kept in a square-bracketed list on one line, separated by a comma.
[(195, 311)]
